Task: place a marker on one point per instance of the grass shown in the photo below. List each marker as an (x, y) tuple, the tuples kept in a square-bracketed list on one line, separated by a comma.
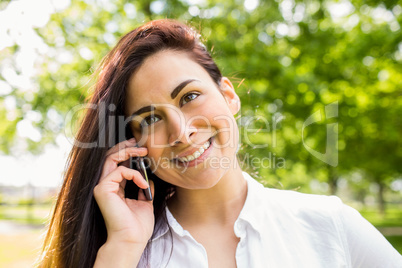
[(20, 247), (20, 250), (392, 217), (35, 215)]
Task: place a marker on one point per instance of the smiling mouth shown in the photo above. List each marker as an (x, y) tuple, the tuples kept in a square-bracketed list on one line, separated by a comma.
[(196, 154)]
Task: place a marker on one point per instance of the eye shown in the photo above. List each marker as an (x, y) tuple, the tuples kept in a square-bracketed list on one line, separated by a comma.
[(188, 97), (149, 120)]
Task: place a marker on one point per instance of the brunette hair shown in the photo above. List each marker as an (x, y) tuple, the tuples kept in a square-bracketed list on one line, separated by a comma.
[(77, 229)]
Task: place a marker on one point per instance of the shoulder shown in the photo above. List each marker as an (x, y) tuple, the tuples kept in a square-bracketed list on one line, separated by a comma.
[(319, 212), (320, 223), (293, 210), (293, 201), (305, 223)]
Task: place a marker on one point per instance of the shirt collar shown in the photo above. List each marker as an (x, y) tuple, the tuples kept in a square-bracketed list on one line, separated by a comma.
[(160, 230), (249, 213)]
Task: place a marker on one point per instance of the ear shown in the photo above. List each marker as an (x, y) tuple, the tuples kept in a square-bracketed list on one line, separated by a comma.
[(230, 95)]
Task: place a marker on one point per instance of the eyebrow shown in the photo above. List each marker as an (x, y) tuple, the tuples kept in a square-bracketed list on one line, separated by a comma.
[(182, 85), (145, 109), (173, 95)]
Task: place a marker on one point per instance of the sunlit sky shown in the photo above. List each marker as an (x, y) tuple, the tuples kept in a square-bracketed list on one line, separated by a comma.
[(17, 23)]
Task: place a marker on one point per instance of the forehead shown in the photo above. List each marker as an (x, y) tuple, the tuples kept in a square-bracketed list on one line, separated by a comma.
[(159, 75)]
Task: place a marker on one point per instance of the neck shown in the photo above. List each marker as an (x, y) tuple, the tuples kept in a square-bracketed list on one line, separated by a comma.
[(220, 204)]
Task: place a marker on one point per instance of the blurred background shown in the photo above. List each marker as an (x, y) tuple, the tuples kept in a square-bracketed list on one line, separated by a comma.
[(289, 60)]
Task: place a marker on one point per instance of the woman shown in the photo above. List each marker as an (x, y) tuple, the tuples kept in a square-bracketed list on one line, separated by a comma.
[(159, 94)]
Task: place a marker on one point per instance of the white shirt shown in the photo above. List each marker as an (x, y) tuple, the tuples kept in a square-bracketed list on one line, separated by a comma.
[(279, 228)]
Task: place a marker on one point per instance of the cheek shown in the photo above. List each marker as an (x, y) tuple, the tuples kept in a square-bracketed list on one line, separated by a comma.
[(227, 129), (155, 141), (156, 144)]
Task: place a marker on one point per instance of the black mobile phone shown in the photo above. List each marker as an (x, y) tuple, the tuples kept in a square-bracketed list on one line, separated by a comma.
[(138, 164)]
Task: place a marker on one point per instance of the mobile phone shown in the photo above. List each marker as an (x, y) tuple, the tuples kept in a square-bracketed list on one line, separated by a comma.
[(138, 164)]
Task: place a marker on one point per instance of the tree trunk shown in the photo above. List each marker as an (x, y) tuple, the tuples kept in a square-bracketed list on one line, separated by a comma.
[(333, 185), (361, 196), (332, 180), (381, 201), (147, 9)]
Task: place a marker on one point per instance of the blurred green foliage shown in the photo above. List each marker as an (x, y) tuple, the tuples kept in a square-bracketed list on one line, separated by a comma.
[(288, 59), (396, 242)]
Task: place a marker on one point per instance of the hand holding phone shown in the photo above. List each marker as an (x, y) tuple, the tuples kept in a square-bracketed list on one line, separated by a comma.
[(121, 209)]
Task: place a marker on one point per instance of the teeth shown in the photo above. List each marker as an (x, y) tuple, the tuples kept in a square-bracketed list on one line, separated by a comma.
[(206, 145), (196, 154)]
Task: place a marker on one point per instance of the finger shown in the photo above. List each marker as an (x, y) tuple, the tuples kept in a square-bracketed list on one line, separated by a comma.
[(121, 173), (121, 145), (126, 153), (141, 195), (113, 160), (123, 185)]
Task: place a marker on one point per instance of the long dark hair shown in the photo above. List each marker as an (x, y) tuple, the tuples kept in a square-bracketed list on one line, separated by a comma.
[(77, 229)]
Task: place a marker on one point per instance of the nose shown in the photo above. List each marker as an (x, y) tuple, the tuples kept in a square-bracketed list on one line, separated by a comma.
[(179, 131)]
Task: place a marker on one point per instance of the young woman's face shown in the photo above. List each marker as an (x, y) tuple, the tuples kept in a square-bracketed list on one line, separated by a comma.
[(184, 120)]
